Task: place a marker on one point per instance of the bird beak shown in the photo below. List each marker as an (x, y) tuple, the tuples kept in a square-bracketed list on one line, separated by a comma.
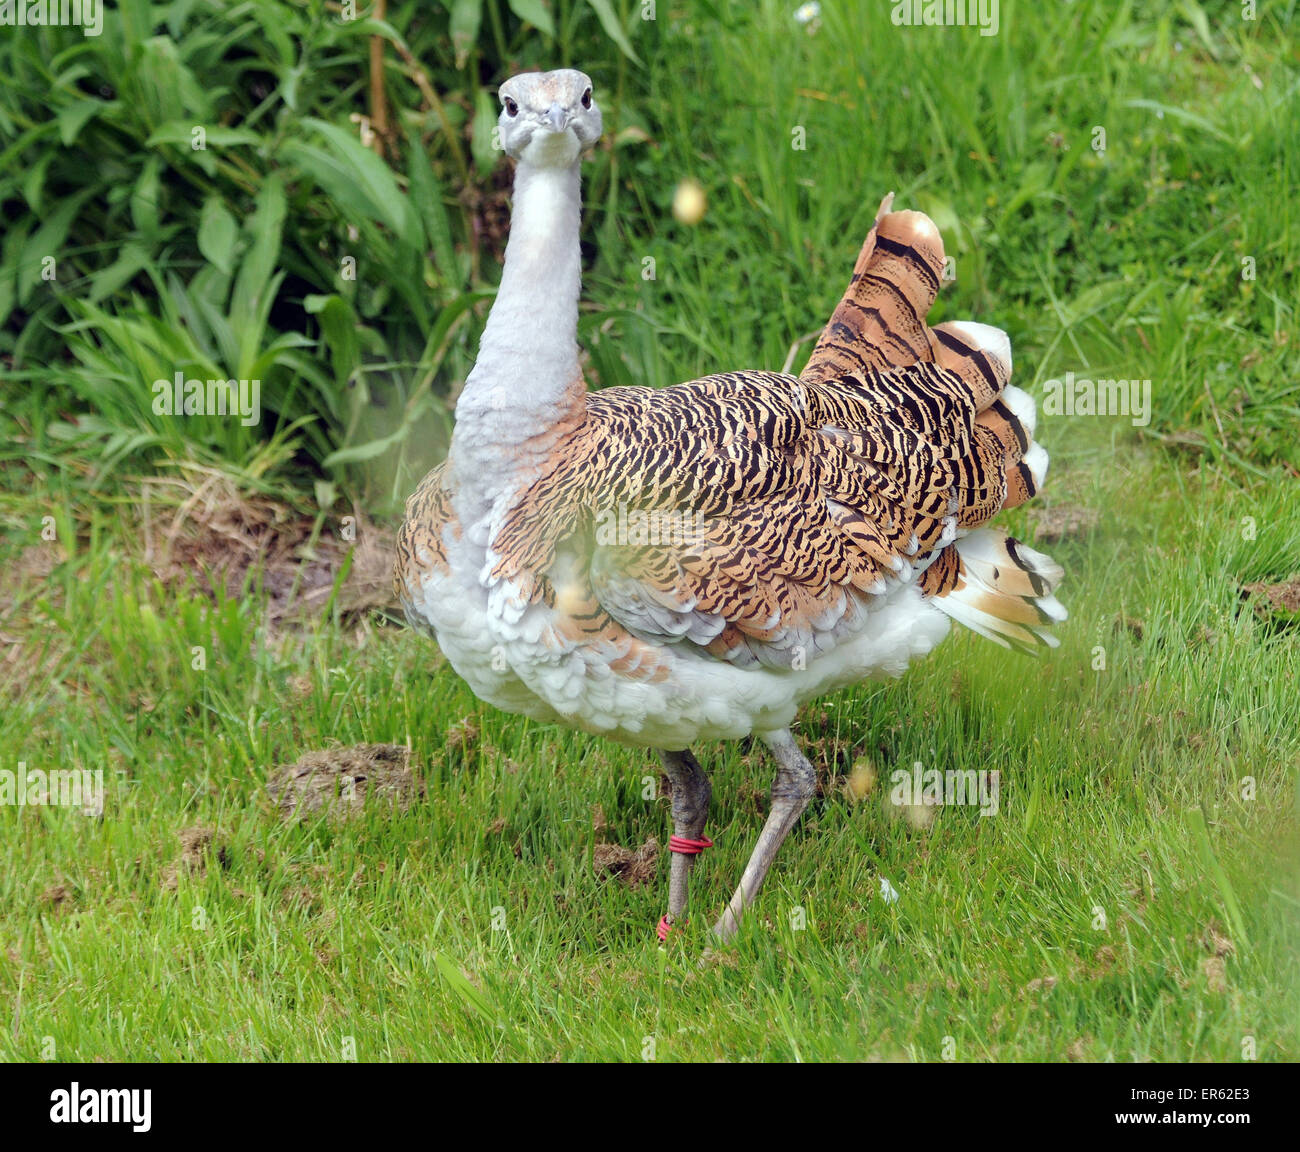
[(557, 117)]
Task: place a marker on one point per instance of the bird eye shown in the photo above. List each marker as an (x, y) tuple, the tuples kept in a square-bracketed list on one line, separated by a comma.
[(586, 98), (512, 109)]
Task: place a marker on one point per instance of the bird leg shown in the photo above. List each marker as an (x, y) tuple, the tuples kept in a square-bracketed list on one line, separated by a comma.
[(795, 783), (691, 794)]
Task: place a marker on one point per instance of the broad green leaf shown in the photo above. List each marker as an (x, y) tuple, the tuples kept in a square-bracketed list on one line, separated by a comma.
[(73, 117), (534, 11), (42, 133), (275, 23), (34, 183), (614, 28), (427, 197), (133, 257), (163, 85), (466, 15), (372, 449), (218, 234), (144, 198), (338, 324), (447, 318), (481, 142), (331, 176), (279, 352), (222, 137), (11, 250), (179, 303), (289, 86), (67, 79), (371, 177), (137, 20), (223, 332), (215, 135), (47, 241), (257, 280)]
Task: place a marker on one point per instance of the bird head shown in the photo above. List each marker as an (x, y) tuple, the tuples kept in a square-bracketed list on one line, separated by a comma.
[(548, 118)]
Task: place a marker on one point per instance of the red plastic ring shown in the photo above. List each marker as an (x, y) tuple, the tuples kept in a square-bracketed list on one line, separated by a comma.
[(688, 847)]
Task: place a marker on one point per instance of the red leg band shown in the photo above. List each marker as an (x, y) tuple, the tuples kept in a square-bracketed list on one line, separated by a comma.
[(688, 847), (684, 847)]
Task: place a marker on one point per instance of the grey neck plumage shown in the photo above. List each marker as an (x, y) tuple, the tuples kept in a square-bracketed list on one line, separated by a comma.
[(522, 382)]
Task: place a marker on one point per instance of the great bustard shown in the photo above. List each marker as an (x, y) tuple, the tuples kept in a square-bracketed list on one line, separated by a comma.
[(663, 566)]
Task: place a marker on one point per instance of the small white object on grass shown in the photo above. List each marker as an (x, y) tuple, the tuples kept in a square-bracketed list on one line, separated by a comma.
[(887, 892), (689, 202)]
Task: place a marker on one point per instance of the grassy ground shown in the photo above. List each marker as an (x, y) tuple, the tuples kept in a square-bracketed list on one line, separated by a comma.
[(1136, 895)]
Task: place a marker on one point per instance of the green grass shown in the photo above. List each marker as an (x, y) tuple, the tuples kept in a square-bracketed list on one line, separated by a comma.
[(1148, 809), (315, 933)]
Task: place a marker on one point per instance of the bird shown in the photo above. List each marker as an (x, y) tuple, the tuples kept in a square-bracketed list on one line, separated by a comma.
[(666, 566)]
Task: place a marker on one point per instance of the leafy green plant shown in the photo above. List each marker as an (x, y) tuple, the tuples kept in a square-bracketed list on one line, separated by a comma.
[(190, 192)]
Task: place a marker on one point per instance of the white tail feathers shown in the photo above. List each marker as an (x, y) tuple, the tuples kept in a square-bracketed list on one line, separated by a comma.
[(1022, 407), (1036, 462), (984, 337), (1004, 591)]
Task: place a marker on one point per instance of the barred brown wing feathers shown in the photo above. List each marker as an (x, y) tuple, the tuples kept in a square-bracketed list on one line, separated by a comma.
[(421, 543), (770, 553), (880, 322), (804, 495)]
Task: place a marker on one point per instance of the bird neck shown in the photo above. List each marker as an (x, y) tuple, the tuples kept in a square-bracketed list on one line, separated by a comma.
[(526, 383)]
